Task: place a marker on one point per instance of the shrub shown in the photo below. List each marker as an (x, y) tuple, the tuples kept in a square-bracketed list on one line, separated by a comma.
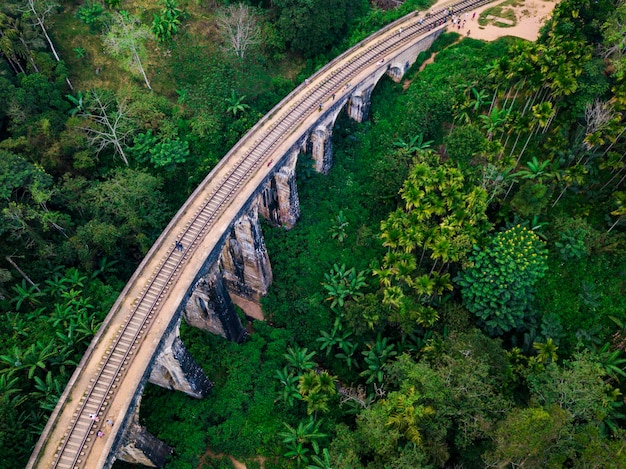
[(93, 15), (499, 286)]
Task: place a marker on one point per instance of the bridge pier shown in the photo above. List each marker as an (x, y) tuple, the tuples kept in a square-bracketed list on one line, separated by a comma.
[(359, 104), (141, 447), (175, 368), (321, 148), (244, 261), (245, 264), (278, 202), (211, 308)]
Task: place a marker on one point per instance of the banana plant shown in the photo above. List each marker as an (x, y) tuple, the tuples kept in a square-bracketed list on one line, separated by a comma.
[(289, 393), (300, 358), (376, 358)]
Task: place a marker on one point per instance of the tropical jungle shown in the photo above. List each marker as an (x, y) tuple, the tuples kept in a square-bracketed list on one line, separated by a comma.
[(454, 293)]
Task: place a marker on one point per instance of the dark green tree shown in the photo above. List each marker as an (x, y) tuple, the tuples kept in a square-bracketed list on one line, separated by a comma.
[(313, 26)]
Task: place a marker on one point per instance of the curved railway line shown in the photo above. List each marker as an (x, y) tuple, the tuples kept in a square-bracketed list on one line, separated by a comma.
[(79, 438)]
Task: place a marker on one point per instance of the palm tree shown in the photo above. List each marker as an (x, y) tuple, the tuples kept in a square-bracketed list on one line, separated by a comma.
[(317, 389), (612, 362), (10, 47), (290, 392), (236, 104), (335, 337), (424, 285), (494, 120), (347, 353), (308, 384), (406, 414), (322, 462), (536, 170), (376, 358), (338, 230), (300, 358), (543, 113), (546, 352), (415, 144), (26, 293), (298, 452), (427, 316), (47, 392), (478, 100), (307, 432), (342, 283)]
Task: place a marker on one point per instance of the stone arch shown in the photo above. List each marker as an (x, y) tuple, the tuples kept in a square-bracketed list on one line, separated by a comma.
[(396, 70)]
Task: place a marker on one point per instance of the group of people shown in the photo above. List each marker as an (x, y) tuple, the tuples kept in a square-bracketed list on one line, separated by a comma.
[(95, 418)]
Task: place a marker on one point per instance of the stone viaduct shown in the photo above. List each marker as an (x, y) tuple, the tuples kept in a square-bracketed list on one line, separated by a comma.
[(222, 261)]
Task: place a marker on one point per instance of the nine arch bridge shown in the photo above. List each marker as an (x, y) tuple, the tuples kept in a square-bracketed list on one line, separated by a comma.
[(223, 260)]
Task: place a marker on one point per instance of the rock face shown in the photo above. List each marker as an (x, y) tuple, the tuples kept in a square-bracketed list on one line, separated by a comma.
[(278, 201), (175, 368), (244, 261), (210, 308), (143, 448)]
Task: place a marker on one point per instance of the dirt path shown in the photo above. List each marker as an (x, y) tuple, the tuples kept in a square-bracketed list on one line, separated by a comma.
[(530, 16), (210, 454)]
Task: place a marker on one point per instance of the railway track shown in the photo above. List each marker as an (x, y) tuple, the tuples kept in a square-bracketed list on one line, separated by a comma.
[(80, 436)]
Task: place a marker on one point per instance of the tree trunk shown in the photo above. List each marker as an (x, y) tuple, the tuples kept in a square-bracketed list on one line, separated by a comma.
[(614, 224), (143, 72), (10, 261), (45, 33)]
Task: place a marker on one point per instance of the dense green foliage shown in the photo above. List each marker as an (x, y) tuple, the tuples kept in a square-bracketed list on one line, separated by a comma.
[(485, 197), (499, 285)]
